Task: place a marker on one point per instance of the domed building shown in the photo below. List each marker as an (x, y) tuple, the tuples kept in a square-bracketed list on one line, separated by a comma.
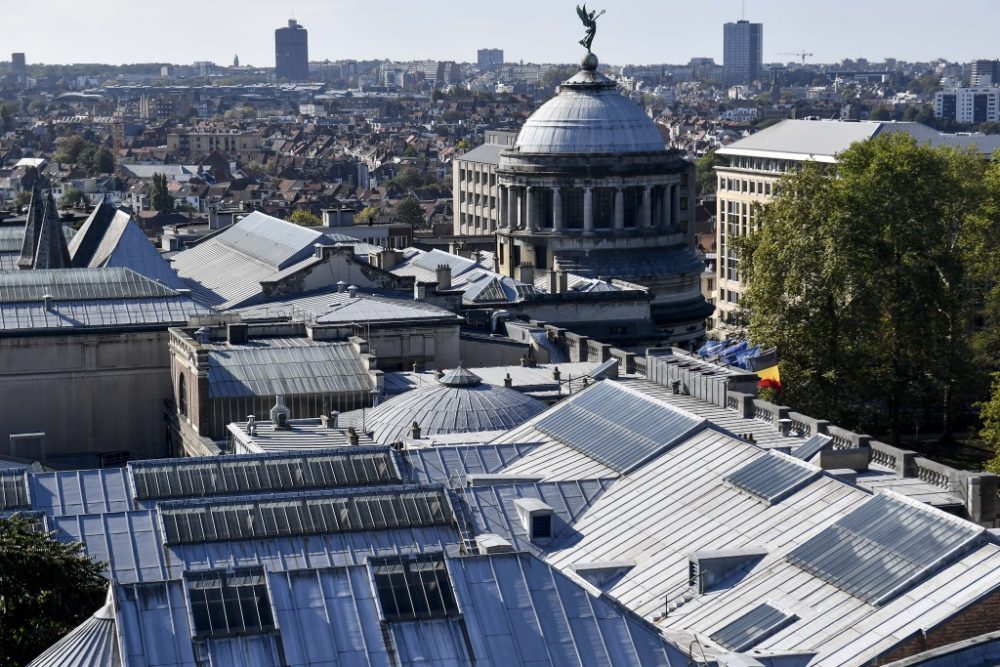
[(458, 402), (590, 188)]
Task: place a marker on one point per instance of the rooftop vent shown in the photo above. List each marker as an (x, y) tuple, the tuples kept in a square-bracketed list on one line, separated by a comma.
[(536, 518), (238, 334), (603, 573), (341, 286), (491, 543), (352, 291), (280, 414), (708, 570)]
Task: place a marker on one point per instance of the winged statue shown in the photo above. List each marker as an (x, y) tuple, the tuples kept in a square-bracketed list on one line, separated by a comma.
[(590, 23)]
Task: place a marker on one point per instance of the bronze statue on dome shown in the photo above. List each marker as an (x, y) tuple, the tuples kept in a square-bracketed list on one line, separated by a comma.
[(590, 23)]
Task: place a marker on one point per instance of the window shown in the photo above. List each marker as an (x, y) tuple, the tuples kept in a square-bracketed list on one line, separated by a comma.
[(411, 588), (229, 603), (30, 446), (182, 398), (541, 526)]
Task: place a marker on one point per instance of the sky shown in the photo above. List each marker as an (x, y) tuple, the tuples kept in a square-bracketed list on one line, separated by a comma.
[(632, 31)]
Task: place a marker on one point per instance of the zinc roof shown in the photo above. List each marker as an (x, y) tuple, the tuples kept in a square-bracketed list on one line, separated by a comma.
[(293, 366)]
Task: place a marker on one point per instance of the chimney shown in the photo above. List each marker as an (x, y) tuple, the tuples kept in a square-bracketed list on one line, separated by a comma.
[(341, 285), (352, 291), (526, 274), (416, 366), (443, 277), (329, 420), (562, 282), (47, 299), (280, 414), (508, 382), (415, 431), (238, 334), (251, 425), (352, 436), (556, 375), (419, 292), (438, 374), (553, 282)]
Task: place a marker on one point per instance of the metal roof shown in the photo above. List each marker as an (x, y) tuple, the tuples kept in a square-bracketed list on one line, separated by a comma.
[(453, 464), (884, 547), (772, 477), (812, 446), (201, 476), (356, 510), (267, 367), (751, 628), (484, 154), (632, 262), (124, 244), (328, 306), (78, 285), (93, 643), (585, 119), (592, 422), (442, 409)]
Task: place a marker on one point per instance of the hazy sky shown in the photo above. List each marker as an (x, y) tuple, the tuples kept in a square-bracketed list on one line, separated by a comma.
[(633, 31)]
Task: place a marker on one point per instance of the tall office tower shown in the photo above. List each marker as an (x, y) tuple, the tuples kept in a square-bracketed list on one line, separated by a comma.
[(985, 73), (489, 58), (743, 54), (18, 66), (291, 52)]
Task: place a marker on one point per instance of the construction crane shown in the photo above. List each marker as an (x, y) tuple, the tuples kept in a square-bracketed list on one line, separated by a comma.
[(801, 54)]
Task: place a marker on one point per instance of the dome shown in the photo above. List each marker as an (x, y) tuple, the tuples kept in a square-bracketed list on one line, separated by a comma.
[(457, 403), (589, 116)]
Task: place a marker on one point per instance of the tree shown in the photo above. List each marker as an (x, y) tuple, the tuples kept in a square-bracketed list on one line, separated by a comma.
[(367, 216), (72, 197), (705, 171), (409, 212), (866, 283), (160, 198), (70, 149), (47, 588), (305, 217)]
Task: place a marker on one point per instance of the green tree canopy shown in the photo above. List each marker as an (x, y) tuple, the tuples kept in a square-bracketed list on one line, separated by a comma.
[(72, 197), (705, 171), (367, 216), (47, 588), (305, 217), (409, 212), (70, 149), (160, 198), (867, 282)]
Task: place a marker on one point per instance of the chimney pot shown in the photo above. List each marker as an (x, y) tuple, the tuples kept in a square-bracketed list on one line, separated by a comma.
[(341, 286), (556, 375), (352, 436), (352, 291), (508, 382), (415, 431)]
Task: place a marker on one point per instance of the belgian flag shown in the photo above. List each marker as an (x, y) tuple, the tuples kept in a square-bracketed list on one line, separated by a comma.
[(765, 365)]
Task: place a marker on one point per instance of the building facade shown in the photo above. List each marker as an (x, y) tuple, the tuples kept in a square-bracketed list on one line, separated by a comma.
[(590, 188), (742, 46), (968, 105), (207, 142), (985, 73), (291, 52), (489, 58)]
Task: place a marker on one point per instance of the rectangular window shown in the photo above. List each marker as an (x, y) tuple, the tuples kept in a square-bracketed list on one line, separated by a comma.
[(413, 588), (228, 603)]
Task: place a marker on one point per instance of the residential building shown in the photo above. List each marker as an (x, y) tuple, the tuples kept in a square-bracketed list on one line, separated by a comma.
[(474, 185), (18, 66), (968, 105), (757, 162), (590, 188), (742, 52), (489, 58), (291, 52), (202, 143), (985, 73)]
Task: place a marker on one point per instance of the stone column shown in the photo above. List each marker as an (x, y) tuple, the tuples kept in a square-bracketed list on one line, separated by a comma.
[(665, 208), (647, 207), (501, 206), (529, 208), (557, 221), (619, 210), (588, 211), (675, 205), (511, 207)]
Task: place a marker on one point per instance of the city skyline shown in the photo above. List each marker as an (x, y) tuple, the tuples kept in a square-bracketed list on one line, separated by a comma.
[(634, 31)]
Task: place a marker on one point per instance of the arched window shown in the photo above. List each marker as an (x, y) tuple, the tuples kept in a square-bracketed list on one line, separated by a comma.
[(182, 394)]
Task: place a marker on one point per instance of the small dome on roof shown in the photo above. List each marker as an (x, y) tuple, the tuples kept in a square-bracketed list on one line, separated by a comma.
[(459, 402)]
